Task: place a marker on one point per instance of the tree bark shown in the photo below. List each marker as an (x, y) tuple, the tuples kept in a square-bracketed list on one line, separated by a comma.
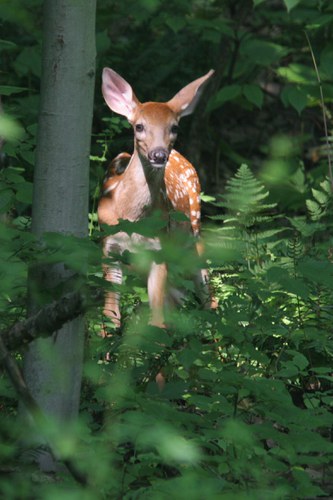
[(53, 366)]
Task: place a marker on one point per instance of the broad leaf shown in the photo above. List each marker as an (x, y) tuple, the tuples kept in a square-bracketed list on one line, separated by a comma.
[(228, 93), (296, 97), (263, 52), (290, 4), (254, 94)]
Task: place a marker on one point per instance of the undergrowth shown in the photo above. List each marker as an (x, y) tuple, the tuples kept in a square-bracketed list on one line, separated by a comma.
[(247, 409)]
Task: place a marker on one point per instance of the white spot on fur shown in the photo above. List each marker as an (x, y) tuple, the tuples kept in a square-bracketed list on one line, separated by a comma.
[(110, 188)]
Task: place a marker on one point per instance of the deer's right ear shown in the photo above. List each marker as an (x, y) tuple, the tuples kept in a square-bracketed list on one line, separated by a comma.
[(118, 94)]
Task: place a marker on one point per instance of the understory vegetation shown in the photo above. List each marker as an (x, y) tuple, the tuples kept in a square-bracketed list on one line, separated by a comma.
[(247, 407)]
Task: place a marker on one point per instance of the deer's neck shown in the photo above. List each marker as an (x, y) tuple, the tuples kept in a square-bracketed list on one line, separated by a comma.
[(143, 188)]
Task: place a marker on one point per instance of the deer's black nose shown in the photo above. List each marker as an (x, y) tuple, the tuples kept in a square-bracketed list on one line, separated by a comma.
[(159, 156)]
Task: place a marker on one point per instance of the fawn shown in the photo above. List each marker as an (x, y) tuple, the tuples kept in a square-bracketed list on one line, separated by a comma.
[(154, 177)]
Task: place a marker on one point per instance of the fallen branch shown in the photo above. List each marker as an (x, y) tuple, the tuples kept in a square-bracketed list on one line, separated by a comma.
[(49, 319)]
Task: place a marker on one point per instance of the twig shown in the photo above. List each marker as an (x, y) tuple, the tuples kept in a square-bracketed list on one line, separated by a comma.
[(328, 146)]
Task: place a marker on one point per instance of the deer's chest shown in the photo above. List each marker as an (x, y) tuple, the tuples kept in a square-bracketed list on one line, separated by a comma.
[(136, 203)]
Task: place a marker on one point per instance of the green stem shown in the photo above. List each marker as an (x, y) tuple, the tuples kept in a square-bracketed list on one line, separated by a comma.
[(328, 146)]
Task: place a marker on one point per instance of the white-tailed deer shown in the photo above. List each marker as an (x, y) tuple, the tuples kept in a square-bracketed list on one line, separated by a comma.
[(154, 177)]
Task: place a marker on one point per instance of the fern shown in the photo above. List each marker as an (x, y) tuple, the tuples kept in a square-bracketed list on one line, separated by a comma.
[(295, 248), (248, 219), (245, 197), (321, 203)]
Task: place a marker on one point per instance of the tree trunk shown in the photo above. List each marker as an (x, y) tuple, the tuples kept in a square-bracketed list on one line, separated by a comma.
[(53, 366)]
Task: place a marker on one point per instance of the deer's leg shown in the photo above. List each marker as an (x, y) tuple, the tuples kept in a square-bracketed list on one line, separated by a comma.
[(156, 292), (204, 290), (115, 244), (113, 274), (202, 283)]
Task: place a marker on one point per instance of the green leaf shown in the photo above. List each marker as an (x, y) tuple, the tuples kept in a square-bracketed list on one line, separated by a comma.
[(7, 45), (300, 361), (6, 198), (320, 196), (317, 272), (325, 68), (24, 192), (304, 227), (178, 216), (10, 128), (207, 198), (314, 209), (289, 370), (298, 179), (319, 21), (238, 433), (226, 94), (28, 61), (187, 357), (296, 287), (254, 94), (322, 370), (295, 97), (262, 52), (298, 73), (9, 90), (149, 226), (175, 23), (326, 186), (290, 4), (244, 196)]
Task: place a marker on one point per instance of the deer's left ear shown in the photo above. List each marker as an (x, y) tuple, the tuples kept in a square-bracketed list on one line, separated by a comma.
[(184, 102)]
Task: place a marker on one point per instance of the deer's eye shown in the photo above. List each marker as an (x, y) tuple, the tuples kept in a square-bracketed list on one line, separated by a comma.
[(139, 127), (174, 129)]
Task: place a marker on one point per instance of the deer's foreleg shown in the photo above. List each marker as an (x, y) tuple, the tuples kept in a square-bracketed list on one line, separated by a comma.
[(113, 274), (156, 292), (115, 244)]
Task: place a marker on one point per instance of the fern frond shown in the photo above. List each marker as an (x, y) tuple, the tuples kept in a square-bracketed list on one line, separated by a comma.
[(245, 195), (314, 209), (319, 206), (295, 248), (248, 218)]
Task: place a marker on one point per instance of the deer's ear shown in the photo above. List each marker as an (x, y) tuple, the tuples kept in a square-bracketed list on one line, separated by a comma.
[(184, 102), (118, 94)]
